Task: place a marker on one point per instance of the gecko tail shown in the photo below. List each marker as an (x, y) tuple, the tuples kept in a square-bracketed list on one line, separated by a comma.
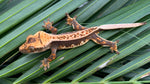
[(120, 26)]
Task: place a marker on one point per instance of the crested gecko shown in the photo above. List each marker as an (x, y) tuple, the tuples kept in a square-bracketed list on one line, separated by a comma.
[(42, 41)]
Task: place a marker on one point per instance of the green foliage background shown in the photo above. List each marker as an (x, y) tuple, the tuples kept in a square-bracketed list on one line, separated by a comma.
[(89, 63)]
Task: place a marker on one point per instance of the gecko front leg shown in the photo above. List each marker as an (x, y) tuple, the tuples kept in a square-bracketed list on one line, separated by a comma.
[(48, 25), (45, 61), (74, 23)]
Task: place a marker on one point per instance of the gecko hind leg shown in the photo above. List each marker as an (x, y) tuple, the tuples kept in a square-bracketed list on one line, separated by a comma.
[(45, 61), (99, 40), (74, 23), (48, 25)]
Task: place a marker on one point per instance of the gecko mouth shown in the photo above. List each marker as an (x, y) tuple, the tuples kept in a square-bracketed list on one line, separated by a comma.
[(34, 50), (23, 51), (38, 49)]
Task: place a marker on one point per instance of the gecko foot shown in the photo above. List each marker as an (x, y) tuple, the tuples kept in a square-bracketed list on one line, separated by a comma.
[(69, 19), (114, 47), (48, 25), (45, 63)]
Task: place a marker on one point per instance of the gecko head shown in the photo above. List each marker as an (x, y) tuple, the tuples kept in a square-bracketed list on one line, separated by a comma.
[(33, 44), (70, 20)]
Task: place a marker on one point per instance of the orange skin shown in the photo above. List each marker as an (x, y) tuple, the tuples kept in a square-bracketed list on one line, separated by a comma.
[(42, 41)]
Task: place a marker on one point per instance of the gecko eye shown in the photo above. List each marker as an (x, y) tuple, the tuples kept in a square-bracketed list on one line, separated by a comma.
[(31, 40), (31, 48)]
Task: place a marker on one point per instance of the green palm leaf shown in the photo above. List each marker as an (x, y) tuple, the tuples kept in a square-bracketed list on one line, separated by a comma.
[(78, 64)]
